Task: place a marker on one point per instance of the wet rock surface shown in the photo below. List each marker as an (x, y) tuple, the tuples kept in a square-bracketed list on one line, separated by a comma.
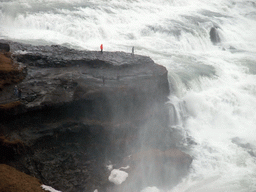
[(80, 111), (214, 35)]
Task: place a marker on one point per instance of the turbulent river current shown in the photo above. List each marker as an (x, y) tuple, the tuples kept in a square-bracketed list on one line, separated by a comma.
[(213, 85)]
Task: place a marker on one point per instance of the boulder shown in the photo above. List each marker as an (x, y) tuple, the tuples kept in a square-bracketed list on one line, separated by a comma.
[(214, 35)]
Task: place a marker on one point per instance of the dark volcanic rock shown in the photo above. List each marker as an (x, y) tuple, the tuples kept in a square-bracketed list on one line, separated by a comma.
[(81, 110), (4, 47), (214, 35), (57, 75)]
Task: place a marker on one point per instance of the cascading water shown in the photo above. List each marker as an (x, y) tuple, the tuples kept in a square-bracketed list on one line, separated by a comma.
[(213, 97)]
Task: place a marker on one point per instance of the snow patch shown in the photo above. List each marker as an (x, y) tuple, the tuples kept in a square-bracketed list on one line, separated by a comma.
[(48, 188), (117, 176)]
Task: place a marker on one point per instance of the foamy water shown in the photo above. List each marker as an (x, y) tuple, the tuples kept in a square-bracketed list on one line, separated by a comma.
[(217, 83)]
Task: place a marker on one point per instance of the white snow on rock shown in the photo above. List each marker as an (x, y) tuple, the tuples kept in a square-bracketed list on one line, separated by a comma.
[(127, 167), (48, 188), (117, 176)]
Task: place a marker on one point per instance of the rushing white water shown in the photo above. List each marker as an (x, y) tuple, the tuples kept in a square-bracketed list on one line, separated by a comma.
[(216, 84)]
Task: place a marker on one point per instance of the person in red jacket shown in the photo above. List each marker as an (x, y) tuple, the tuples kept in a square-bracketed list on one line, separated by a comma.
[(101, 48)]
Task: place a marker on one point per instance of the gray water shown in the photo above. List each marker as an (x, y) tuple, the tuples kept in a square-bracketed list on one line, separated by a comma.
[(213, 86)]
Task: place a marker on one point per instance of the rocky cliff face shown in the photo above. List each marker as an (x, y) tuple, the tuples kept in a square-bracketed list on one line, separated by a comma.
[(79, 111), (113, 82)]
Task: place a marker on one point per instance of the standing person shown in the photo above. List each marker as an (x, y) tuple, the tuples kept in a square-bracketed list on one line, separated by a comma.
[(101, 48), (132, 51)]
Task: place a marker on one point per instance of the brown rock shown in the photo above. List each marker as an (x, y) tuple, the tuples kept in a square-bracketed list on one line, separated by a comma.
[(12, 180), (9, 71), (10, 148), (11, 105)]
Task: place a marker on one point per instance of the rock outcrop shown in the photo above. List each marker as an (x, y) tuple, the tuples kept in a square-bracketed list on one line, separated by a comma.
[(114, 82), (214, 35), (12, 180), (79, 110)]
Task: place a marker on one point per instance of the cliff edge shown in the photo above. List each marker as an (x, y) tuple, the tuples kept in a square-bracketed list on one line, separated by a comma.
[(57, 75)]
